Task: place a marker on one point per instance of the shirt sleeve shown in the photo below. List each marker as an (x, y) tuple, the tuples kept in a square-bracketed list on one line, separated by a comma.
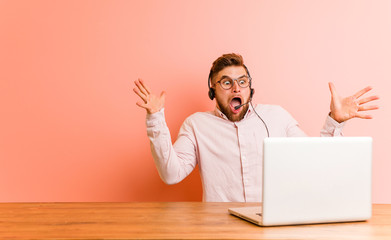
[(292, 128), (332, 128), (172, 163)]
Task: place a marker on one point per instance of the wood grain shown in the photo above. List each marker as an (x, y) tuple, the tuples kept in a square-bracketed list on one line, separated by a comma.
[(167, 220)]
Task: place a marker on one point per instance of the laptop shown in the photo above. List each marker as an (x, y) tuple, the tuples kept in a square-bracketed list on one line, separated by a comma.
[(309, 180)]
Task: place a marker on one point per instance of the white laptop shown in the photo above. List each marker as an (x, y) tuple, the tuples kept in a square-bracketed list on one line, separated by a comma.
[(313, 180)]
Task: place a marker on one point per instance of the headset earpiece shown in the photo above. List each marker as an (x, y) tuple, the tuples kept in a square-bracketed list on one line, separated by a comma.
[(211, 93), (252, 91)]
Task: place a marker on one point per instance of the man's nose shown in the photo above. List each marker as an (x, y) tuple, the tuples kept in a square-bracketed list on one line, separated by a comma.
[(235, 87)]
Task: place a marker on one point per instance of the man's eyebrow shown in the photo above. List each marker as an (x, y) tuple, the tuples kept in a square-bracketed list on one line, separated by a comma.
[(225, 76)]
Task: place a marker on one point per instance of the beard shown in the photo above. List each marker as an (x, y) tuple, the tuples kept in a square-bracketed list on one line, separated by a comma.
[(229, 114)]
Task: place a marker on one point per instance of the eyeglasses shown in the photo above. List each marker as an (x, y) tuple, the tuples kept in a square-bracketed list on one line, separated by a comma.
[(227, 82)]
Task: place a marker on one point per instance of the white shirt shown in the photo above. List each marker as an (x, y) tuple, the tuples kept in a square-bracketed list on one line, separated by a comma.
[(229, 154)]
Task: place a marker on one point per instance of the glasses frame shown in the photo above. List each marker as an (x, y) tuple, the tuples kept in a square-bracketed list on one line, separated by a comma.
[(233, 82)]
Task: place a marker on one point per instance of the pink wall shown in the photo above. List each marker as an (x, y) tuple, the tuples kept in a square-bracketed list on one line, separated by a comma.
[(70, 129)]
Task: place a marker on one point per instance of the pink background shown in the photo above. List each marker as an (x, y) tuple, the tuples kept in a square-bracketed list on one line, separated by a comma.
[(69, 126)]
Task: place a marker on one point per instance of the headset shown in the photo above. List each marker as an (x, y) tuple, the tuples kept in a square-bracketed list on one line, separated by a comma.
[(211, 95)]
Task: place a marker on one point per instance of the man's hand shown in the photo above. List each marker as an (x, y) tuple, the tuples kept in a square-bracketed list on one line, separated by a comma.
[(343, 109), (151, 102)]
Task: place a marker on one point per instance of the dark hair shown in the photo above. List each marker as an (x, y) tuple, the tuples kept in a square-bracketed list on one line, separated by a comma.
[(226, 60)]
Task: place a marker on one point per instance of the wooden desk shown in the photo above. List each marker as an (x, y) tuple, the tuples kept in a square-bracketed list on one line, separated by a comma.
[(184, 220)]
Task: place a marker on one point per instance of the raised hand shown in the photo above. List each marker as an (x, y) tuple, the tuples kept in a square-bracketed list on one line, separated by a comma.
[(151, 102), (343, 109)]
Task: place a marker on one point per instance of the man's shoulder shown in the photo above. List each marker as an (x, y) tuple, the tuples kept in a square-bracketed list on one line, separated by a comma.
[(200, 115), (198, 119), (269, 108), (274, 113)]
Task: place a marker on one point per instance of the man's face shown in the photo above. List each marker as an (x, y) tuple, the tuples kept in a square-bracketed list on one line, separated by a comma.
[(226, 100)]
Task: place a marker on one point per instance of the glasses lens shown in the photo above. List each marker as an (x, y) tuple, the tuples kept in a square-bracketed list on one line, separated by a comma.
[(226, 83), (243, 82)]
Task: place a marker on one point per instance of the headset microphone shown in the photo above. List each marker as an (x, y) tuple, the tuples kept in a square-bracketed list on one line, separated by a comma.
[(241, 105), (252, 91)]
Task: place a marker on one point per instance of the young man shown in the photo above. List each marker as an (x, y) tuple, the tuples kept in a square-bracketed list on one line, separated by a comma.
[(227, 143)]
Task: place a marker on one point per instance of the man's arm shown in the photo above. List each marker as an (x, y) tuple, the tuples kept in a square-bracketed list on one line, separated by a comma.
[(343, 109), (172, 163), (331, 128)]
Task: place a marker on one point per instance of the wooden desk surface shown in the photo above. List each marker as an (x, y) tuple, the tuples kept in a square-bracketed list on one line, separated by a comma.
[(167, 220)]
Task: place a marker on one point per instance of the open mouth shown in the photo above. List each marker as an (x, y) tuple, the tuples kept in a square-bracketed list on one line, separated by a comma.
[(236, 101)]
